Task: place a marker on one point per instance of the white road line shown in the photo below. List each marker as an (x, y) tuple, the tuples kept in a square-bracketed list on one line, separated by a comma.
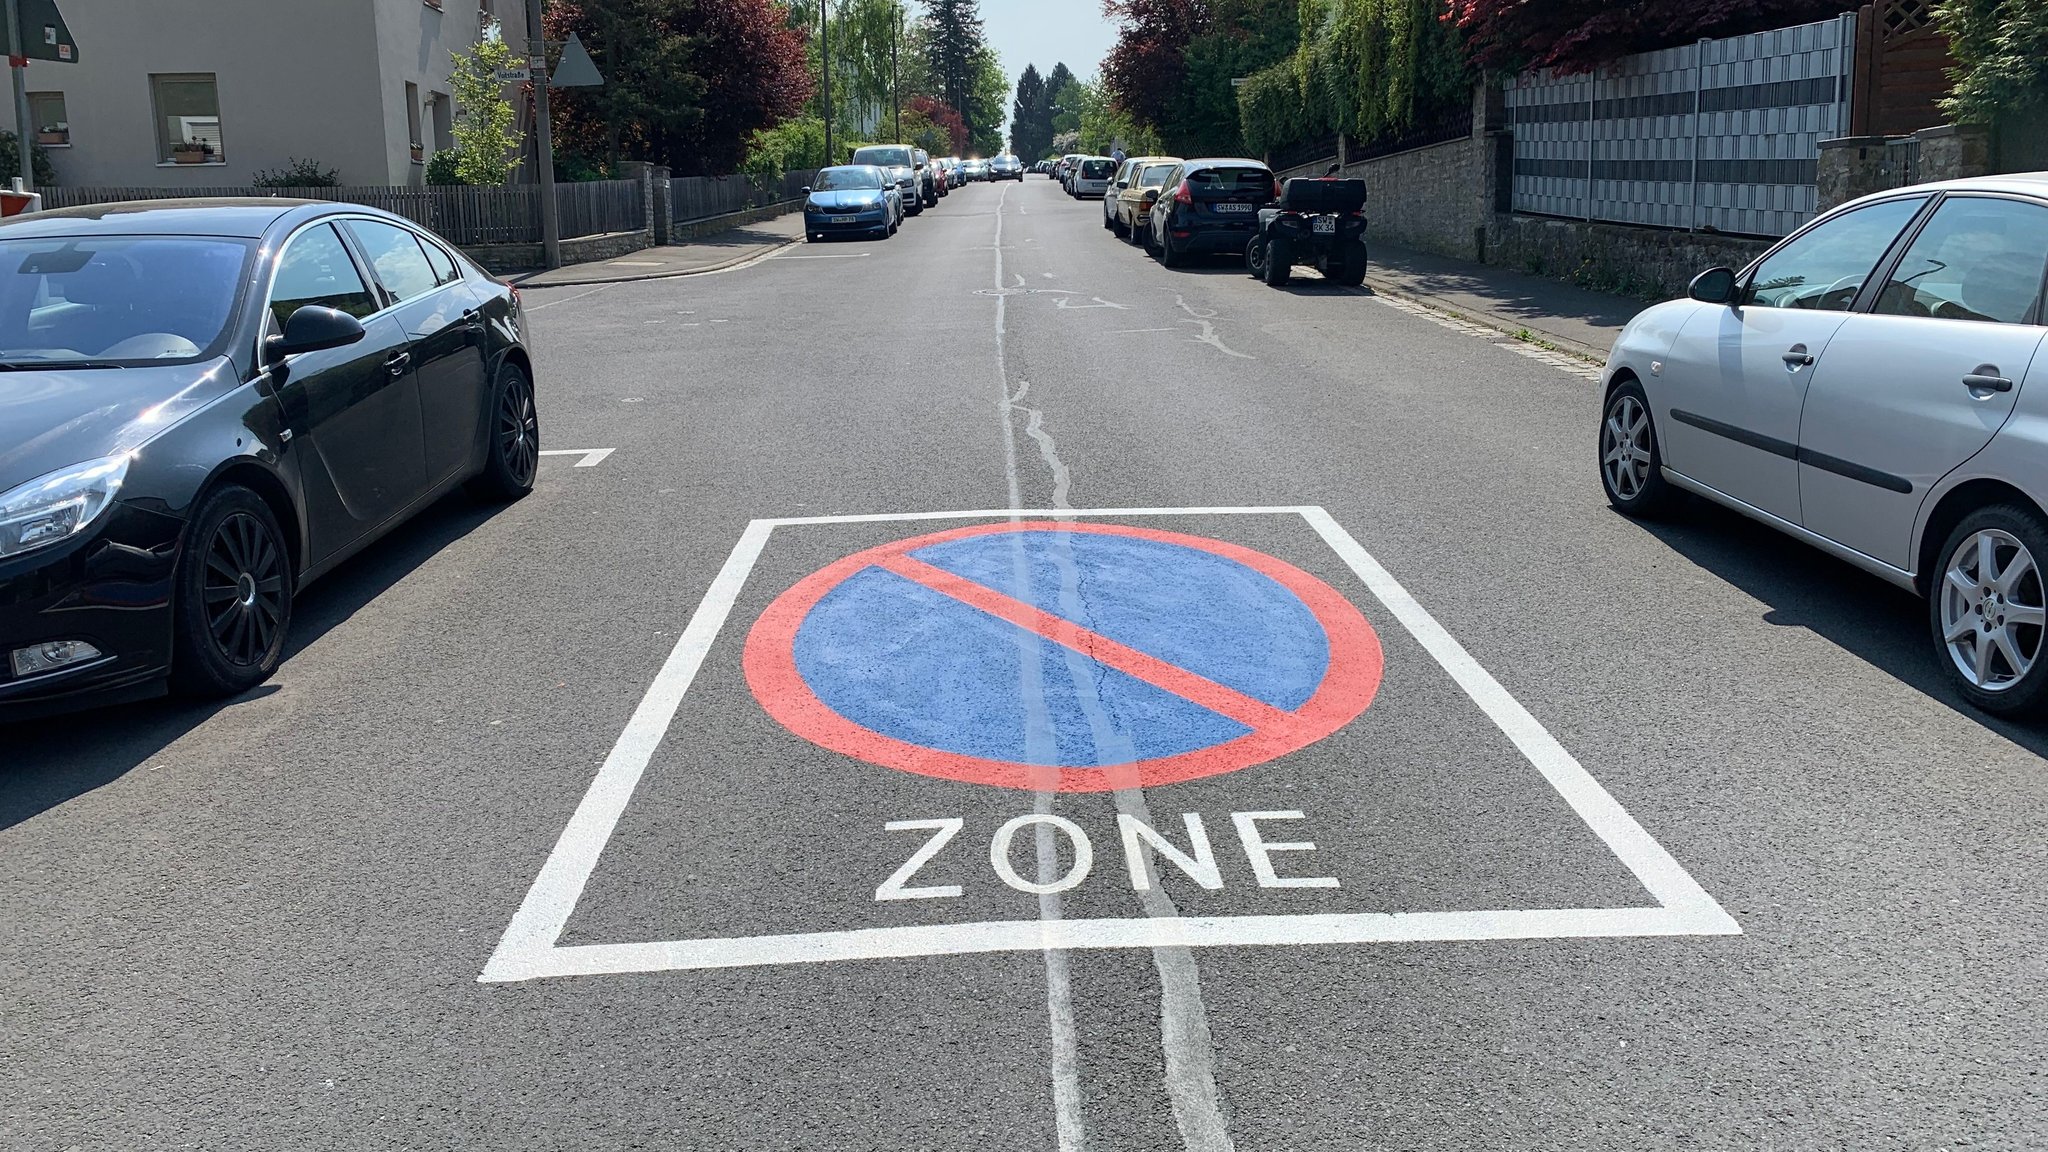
[(592, 457), (567, 299), (827, 256), (1186, 1045), (1059, 996)]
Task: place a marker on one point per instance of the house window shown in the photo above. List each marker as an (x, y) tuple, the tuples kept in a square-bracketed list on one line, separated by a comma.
[(46, 112), (412, 122), (187, 119)]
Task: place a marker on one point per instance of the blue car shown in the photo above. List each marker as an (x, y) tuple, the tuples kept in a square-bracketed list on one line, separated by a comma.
[(853, 198)]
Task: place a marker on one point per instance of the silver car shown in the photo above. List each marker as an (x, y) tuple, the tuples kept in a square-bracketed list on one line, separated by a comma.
[(1875, 385), (900, 162)]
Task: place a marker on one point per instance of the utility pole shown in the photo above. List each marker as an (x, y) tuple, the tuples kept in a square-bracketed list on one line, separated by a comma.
[(825, 69), (895, 81), (17, 63), (537, 61)]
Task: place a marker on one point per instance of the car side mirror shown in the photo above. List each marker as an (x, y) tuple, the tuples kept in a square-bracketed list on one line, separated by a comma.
[(1714, 286), (314, 328), (807, 189), (1151, 194)]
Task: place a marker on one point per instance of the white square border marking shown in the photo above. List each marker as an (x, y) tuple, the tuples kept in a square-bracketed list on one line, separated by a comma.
[(528, 950)]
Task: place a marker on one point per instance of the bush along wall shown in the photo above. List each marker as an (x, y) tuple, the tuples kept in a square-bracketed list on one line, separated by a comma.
[(1364, 68)]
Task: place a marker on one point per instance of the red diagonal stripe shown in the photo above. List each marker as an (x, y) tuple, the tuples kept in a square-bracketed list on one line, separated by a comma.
[(1254, 714)]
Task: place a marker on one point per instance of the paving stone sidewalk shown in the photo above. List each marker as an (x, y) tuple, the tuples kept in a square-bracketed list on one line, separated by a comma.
[(1576, 319)]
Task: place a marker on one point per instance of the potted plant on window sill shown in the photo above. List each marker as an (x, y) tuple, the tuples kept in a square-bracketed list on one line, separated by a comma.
[(52, 136), (192, 152), (419, 153)]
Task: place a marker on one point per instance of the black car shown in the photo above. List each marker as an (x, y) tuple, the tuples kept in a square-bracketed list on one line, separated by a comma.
[(205, 405), (1208, 206)]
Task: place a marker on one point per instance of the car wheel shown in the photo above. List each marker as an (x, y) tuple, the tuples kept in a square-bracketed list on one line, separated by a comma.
[(1987, 607), (1108, 225), (1279, 262), (512, 458), (233, 600), (1168, 254), (1631, 464), (1255, 258)]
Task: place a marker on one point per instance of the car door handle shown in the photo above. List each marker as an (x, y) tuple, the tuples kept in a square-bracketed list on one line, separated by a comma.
[(473, 317), (396, 362), (1987, 379), (1798, 357)]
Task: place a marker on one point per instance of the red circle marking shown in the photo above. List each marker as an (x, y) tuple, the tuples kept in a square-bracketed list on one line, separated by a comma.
[(1349, 683)]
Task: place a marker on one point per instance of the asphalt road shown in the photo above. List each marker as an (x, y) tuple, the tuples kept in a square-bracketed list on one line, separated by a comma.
[(505, 859)]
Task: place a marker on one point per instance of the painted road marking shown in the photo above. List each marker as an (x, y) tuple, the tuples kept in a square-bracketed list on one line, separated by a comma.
[(1230, 656), (592, 457), (530, 950)]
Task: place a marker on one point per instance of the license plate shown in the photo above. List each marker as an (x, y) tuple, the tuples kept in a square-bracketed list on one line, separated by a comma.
[(1233, 207), (1323, 224), (844, 219)]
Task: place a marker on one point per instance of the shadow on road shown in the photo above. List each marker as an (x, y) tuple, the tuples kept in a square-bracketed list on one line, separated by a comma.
[(1805, 588), (48, 762)]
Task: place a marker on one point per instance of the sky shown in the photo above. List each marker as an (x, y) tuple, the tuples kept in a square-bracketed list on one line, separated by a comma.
[(1045, 32)]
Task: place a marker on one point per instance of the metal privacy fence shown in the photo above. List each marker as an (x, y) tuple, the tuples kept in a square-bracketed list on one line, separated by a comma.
[(466, 217), (1721, 134), (702, 197)]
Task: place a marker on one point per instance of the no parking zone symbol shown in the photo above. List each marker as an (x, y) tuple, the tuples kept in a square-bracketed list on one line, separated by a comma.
[(973, 655), (1071, 652)]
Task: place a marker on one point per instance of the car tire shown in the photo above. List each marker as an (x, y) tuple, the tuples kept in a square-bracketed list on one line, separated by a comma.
[(1980, 659), (1168, 254), (1255, 258), (1279, 262), (1108, 225), (1634, 479), (231, 607), (512, 455), (1350, 271)]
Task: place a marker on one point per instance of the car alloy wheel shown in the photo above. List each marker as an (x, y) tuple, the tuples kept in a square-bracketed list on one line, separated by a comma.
[(518, 430), (232, 605), (1625, 453), (1255, 258), (1992, 610), (244, 589)]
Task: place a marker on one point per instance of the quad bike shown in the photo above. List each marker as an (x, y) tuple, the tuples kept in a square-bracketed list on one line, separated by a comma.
[(1317, 223)]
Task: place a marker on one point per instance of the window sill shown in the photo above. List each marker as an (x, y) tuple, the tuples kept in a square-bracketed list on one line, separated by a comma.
[(201, 164), (63, 145)]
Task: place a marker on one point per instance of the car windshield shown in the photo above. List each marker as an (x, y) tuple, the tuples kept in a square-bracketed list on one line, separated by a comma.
[(1097, 169), (1154, 175), (847, 180), (116, 299), (886, 157)]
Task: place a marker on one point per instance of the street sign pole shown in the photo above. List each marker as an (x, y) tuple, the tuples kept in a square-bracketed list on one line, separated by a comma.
[(896, 83), (536, 53), (825, 70), (17, 65)]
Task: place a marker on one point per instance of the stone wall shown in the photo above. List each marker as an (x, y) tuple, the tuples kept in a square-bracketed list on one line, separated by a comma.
[(1649, 263), (501, 258)]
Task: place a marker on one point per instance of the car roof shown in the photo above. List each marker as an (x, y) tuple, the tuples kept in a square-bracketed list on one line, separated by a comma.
[(2031, 184), (1225, 162), (248, 217)]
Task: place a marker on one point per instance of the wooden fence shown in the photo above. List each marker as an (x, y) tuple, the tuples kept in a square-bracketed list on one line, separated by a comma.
[(464, 216)]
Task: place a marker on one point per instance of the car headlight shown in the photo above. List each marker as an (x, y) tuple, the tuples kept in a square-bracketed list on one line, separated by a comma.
[(58, 506)]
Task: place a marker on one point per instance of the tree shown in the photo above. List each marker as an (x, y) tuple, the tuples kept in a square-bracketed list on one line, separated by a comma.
[(953, 37), (1031, 117), (1063, 100), (1144, 70), (1578, 35), (942, 116), (985, 104), (687, 82), (2001, 52), (486, 128)]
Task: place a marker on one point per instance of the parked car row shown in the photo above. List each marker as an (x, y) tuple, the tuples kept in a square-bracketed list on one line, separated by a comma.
[(1177, 208)]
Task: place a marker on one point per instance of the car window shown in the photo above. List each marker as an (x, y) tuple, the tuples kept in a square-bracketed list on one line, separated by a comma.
[(316, 269), (1097, 169), (886, 157), (1123, 174), (396, 258), (1825, 267), (1238, 178), (1977, 259), (1154, 175), (444, 265)]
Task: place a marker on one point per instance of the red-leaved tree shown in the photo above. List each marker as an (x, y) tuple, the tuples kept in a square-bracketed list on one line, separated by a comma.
[(1578, 35), (1143, 71), (945, 118), (687, 82)]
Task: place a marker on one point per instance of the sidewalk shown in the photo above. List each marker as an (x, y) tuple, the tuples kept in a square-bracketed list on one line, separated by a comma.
[(1575, 319), (710, 254)]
